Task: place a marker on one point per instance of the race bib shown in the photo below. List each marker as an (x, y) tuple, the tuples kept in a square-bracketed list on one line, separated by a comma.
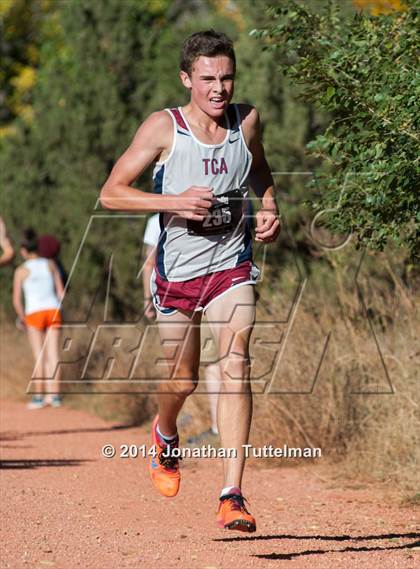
[(224, 216)]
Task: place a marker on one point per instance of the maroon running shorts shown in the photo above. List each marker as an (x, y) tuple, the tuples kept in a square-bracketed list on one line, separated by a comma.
[(197, 294)]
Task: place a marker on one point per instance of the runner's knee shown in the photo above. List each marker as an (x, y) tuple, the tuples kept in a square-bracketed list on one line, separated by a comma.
[(186, 388), (184, 384), (236, 369)]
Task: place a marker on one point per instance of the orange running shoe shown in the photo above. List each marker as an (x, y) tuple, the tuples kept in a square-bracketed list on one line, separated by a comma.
[(164, 468), (232, 513)]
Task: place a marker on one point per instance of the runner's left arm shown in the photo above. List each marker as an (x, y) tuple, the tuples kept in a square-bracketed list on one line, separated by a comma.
[(17, 294), (261, 181)]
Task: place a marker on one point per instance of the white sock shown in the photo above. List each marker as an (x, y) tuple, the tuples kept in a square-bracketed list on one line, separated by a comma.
[(165, 438), (227, 490)]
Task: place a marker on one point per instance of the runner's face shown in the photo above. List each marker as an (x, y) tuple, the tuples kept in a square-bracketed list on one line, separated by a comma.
[(211, 84)]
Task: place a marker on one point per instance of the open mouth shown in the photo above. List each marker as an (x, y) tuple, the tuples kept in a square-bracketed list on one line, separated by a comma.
[(217, 102)]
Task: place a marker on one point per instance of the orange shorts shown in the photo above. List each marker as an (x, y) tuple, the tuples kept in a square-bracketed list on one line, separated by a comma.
[(43, 319)]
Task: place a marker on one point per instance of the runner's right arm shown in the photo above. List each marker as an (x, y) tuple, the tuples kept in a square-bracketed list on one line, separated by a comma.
[(152, 140), (58, 283)]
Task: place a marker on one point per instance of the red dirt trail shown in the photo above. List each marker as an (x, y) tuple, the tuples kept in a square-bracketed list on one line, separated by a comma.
[(65, 506)]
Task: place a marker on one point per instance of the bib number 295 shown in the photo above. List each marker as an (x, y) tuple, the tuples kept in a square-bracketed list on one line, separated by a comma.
[(221, 216)]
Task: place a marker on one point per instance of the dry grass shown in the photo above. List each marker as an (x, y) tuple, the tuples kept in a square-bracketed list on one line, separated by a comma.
[(362, 410)]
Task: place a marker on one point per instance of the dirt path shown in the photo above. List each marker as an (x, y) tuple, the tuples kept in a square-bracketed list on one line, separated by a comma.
[(65, 506)]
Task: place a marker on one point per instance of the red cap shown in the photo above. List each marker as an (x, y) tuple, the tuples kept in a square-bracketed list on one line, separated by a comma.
[(48, 246)]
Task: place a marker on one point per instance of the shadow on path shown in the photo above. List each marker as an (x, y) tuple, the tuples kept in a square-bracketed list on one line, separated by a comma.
[(39, 463), (290, 556), (17, 435), (344, 537)]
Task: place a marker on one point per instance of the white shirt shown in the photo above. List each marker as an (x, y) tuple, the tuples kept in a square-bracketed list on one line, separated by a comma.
[(183, 254), (38, 287), (152, 231)]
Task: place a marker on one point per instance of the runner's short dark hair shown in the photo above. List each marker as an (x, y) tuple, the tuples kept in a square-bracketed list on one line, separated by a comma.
[(208, 43), (30, 240)]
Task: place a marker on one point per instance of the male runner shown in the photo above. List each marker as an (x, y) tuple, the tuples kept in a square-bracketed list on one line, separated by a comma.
[(205, 154)]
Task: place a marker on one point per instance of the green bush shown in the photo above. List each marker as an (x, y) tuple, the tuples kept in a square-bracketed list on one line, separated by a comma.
[(363, 71)]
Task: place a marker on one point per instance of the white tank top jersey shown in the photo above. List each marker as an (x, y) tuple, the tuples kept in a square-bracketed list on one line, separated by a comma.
[(188, 250), (38, 287)]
